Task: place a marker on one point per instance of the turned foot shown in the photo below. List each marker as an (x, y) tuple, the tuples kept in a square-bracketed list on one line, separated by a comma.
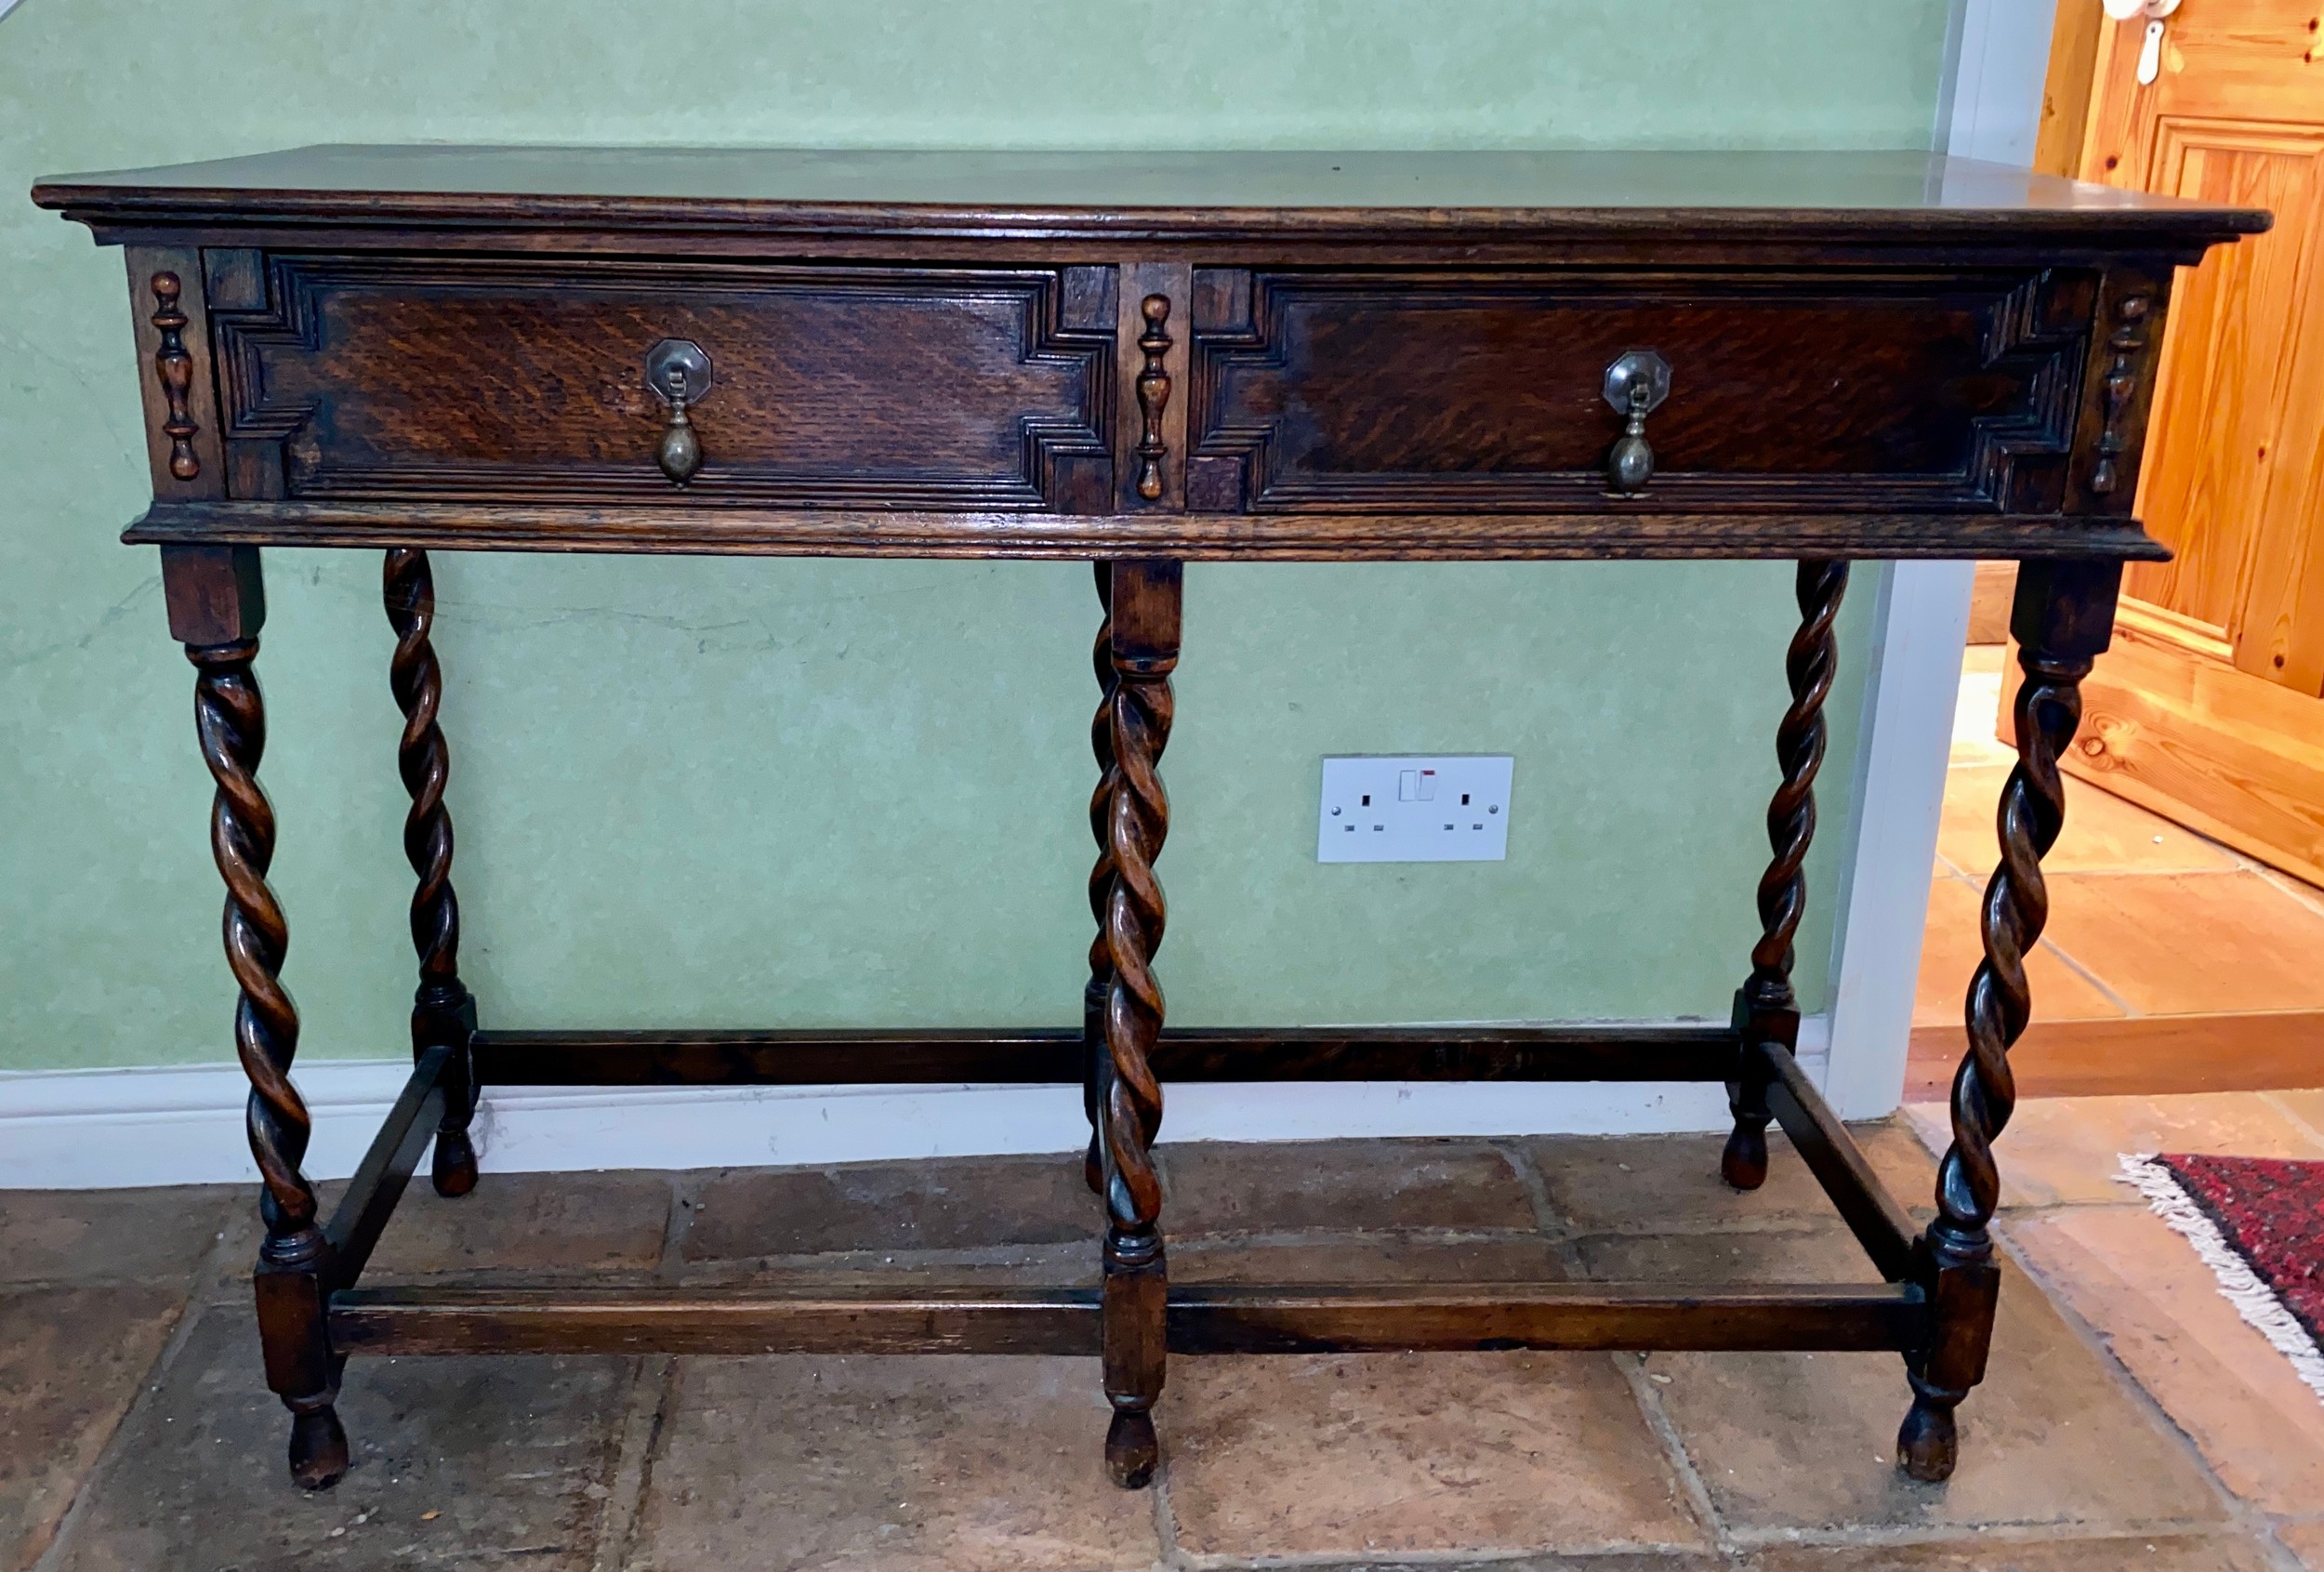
[(318, 1448), (1744, 1163), (453, 1169), (1132, 1450), (1927, 1444)]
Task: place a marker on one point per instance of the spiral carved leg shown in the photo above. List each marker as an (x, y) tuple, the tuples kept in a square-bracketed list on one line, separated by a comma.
[(2063, 619), (1765, 1009), (294, 1257), (1145, 601), (1101, 885), (442, 1013)]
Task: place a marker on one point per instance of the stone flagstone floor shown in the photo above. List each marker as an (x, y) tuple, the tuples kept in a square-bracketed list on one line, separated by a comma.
[(136, 1433)]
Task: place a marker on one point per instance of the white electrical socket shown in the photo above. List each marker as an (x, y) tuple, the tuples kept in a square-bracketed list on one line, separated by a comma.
[(1414, 808)]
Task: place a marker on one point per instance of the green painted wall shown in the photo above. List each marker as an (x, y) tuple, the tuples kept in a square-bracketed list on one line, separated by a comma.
[(759, 792)]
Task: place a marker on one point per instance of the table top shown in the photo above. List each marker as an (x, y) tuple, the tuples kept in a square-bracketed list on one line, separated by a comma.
[(1791, 223), (1176, 190)]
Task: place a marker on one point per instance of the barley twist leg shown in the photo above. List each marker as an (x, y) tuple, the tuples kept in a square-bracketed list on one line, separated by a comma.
[(1146, 600), (230, 719), (442, 1013), (1765, 1008), (2063, 618), (1100, 882)]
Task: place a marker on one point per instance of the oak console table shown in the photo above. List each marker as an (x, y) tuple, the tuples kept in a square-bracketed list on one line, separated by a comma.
[(1136, 359)]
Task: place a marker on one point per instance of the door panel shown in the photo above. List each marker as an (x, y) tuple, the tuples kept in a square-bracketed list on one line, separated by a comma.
[(2208, 709), (2231, 483)]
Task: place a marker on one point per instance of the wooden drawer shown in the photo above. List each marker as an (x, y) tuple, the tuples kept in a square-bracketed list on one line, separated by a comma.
[(1443, 393), (439, 378)]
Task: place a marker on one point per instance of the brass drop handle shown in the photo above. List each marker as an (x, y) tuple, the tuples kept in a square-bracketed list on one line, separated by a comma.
[(678, 372), (680, 453), (1635, 384)]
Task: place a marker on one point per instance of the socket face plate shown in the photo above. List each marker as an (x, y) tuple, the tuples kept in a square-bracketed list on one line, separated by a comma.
[(1414, 808)]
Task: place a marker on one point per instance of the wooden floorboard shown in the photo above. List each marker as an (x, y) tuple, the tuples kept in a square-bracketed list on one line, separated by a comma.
[(2146, 1055)]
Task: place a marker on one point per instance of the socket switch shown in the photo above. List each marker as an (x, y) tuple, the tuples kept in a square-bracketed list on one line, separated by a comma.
[(1414, 808)]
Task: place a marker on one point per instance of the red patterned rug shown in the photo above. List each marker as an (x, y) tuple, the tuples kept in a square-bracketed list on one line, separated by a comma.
[(2258, 1223)]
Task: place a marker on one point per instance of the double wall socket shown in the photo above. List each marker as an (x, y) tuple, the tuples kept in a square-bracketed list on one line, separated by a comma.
[(1414, 808)]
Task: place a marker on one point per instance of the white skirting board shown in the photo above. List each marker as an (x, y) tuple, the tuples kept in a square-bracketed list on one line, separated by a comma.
[(110, 1129)]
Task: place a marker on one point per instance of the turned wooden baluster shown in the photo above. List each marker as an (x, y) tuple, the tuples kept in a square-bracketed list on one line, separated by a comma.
[(217, 605), (2063, 619), (1765, 1008), (1144, 603), (1153, 393), (173, 368), (442, 1013), (1101, 882)]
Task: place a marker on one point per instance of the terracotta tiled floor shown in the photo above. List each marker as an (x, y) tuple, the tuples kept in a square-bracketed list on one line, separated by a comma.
[(136, 1433), (2146, 918), (2146, 1297)]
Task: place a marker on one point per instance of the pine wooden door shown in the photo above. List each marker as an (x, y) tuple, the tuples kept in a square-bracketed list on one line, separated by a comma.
[(2210, 709)]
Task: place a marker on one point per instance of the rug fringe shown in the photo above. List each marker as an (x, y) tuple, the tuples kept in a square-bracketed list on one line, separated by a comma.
[(2254, 1300)]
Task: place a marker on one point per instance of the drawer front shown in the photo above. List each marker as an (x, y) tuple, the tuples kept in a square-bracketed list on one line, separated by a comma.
[(442, 379), (1444, 393)]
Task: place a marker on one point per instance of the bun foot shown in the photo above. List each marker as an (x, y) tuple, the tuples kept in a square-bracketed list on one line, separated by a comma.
[(1132, 1451), (318, 1448), (1744, 1163), (453, 1169), (1927, 1444)]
